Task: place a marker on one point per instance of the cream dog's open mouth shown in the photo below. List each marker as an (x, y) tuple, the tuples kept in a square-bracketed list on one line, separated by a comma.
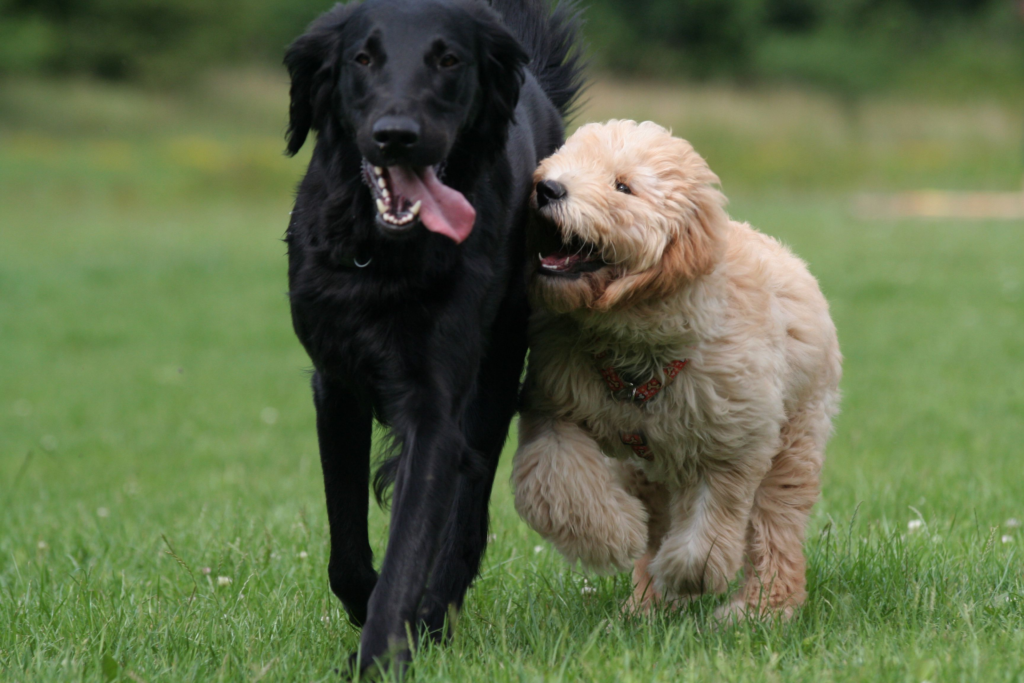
[(565, 256), (574, 258)]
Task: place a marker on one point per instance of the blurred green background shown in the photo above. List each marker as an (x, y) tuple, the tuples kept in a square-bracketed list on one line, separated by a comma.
[(161, 509)]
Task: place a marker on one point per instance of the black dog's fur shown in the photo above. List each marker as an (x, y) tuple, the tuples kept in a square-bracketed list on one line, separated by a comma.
[(430, 337)]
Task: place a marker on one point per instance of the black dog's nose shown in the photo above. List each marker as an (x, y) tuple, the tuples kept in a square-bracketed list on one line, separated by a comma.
[(549, 191), (396, 132)]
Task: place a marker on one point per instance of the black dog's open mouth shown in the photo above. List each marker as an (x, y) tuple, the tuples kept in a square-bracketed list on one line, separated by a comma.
[(391, 207), (404, 195)]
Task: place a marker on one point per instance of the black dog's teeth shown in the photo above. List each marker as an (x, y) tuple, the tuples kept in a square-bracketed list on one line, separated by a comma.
[(391, 208)]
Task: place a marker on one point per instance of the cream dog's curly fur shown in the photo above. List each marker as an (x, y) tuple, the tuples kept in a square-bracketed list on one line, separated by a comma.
[(737, 439)]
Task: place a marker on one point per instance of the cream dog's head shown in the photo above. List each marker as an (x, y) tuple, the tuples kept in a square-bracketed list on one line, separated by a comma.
[(624, 213)]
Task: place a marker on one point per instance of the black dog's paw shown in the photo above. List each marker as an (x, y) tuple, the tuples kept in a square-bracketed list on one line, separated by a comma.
[(356, 613), (356, 668), (437, 622), (351, 668), (355, 596), (352, 671), (380, 657)]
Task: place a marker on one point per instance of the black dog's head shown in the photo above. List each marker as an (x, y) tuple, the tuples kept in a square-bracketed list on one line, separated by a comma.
[(403, 80)]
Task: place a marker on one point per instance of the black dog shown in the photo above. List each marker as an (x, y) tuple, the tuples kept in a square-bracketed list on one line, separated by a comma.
[(406, 271)]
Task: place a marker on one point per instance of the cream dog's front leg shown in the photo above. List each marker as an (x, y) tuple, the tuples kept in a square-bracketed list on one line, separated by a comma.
[(703, 549), (573, 495)]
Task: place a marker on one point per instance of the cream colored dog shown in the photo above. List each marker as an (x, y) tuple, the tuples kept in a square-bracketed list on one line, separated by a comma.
[(682, 380)]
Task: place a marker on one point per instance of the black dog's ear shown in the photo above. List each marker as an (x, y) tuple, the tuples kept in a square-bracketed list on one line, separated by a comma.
[(501, 61), (312, 62)]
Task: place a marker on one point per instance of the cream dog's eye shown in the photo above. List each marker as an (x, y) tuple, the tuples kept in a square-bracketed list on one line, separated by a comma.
[(623, 188)]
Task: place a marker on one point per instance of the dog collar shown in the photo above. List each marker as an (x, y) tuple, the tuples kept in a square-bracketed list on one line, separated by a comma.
[(638, 394), (347, 261)]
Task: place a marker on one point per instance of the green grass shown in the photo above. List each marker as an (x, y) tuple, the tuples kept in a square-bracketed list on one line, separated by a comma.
[(156, 431)]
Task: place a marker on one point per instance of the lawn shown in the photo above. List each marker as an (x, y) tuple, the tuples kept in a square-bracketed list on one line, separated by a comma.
[(161, 510)]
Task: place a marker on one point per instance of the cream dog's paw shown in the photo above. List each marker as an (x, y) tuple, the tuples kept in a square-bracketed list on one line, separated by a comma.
[(567, 491), (738, 610), (687, 566)]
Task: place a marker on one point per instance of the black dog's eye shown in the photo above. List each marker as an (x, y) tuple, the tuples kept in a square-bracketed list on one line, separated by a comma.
[(363, 59), (448, 61), (623, 188)]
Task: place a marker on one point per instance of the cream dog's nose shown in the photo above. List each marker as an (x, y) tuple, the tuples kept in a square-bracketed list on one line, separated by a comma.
[(549, 191)]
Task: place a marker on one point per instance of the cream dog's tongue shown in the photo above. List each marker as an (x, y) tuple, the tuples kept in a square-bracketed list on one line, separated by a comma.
[(443, 210)]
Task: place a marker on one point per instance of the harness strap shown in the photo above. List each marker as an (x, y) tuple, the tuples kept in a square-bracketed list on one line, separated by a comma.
[(638, 394), (638, 444)]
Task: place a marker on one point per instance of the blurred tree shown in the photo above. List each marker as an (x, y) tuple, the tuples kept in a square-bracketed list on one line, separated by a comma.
[(116, 39), (846, 45), (793, 16), (27, 41), (145, 39), (699, 37)]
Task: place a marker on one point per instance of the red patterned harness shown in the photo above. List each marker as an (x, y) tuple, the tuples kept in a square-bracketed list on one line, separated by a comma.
[(638, 394)]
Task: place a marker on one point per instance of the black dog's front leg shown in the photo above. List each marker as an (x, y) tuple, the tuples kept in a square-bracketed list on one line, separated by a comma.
[(344, 427), (485, 425), (424, 490)]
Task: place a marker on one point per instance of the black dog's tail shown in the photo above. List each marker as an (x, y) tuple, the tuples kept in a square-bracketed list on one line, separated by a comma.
[(551, 36)]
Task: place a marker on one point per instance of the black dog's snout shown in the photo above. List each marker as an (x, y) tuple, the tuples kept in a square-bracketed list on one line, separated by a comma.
[(549, 191), (396, 133)]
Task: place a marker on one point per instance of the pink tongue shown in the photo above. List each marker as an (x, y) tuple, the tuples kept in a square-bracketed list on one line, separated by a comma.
[(444, 210)]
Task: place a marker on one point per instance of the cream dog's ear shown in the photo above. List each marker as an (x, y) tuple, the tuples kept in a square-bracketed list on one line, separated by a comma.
[(694, 247), (701, 238)]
